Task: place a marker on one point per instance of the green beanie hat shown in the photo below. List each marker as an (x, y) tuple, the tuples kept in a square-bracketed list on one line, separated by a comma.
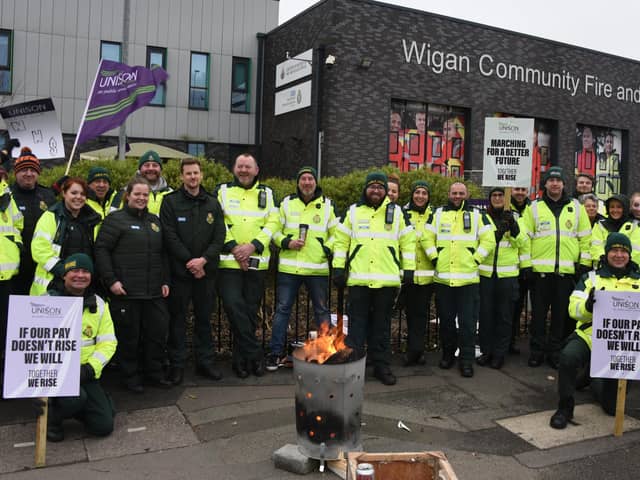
[(78, 260), (553, 172), (150, 156), (376, 177), (420, 184), (617, 239), (96, 173), (304, 170)]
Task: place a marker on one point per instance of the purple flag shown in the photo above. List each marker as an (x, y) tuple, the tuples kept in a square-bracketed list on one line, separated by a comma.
[(117, 91)]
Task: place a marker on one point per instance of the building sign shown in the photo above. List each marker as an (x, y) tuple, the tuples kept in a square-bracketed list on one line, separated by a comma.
[(615, 340), (35, 125), (572, 83), (294, 69), (42, 356), (508, 147), (293, 98)]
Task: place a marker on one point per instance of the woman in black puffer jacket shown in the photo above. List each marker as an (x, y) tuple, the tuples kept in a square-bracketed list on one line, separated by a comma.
[(133, 266)]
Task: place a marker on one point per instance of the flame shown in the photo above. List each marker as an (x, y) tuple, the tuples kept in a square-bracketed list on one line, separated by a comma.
[(330, 340)]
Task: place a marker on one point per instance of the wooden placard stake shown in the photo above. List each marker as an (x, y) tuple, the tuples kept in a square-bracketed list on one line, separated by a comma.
[(41, 435), (620, 401)]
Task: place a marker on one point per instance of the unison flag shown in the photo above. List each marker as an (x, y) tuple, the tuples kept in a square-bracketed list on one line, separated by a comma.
[(117, 91)]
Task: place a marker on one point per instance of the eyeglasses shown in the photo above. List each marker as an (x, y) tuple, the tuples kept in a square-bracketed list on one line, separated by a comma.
[(375, 186)]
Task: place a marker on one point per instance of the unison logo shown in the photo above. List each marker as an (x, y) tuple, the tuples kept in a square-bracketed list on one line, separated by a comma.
[(41, 309), (508, 127), (115, 78), (624, 304)]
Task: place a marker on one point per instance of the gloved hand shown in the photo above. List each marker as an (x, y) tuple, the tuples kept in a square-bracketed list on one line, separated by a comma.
[(13, 143), (407, 277), (339, 278), (86, 373), (512, 223), (37, 406), (591, 299)]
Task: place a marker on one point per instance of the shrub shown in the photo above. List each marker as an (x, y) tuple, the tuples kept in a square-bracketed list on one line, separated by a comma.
[(343, 190)]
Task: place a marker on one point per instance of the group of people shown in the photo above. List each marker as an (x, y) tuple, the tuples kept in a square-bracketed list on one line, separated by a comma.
[(143, 257)]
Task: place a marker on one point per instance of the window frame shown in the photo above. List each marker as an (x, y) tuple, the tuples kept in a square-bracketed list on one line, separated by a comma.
[(9, 66), (162, 88), (193, 88), (198, 145), (246, 91), (109, 42)]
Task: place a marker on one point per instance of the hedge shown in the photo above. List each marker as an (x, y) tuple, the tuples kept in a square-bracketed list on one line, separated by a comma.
[(343, 190)]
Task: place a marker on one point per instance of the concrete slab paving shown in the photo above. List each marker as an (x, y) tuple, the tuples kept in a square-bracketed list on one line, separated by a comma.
[(17, 449), (418, 416), (236, 410), (589, 421), (194, 399), (143, 431)]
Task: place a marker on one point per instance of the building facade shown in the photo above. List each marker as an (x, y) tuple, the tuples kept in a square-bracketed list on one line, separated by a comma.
[(209, 48), (391, 85)]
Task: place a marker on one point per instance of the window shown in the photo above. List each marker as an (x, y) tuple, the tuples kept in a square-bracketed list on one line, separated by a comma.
[(6, 58), (158, 56), (240, 78), (428, 136), (199, 82), (111, 51), (195, 149)]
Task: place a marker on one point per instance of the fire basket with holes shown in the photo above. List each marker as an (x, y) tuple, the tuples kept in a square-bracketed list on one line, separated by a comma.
[(329, 390)]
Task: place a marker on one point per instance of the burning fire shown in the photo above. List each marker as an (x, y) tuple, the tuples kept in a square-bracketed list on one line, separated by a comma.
[(330, 341)]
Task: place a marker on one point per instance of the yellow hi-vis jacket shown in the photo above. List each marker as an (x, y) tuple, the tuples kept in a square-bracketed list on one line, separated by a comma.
[(108, 207), (632, 230), (510, 255), (377, 243), (313, 257), (458, 251), (601, 279), (251, 216), (424, 267), (558, 243), (11, 224)]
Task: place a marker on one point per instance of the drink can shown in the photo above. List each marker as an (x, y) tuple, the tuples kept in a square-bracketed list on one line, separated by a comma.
[(365, 471)]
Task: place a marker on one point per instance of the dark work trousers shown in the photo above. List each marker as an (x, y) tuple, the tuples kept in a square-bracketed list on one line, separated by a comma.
[(21, 283), (137, 321), (452, 302), (496, 311), (369, 312), (576, 355), (551, 290), (418, 307), (201, 293), (524, 287), (93, 408), (241, 293)]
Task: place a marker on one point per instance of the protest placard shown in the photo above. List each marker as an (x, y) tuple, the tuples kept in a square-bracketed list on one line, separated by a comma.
[(36, 126), (42, 356), (508, 147), (615, 339)]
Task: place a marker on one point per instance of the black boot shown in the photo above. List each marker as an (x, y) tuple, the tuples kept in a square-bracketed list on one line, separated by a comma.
[(55, 431), (564, 413)]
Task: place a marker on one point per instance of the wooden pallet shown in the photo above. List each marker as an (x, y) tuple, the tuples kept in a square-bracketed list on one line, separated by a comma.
[(403, 466)]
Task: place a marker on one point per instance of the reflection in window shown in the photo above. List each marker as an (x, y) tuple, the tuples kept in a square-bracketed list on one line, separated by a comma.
[(240, 79), (158, 56), (195, 149), (111, 51), (5, 61), (199, 81)]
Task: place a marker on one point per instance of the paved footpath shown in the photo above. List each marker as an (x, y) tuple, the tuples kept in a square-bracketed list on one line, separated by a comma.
[(493, 426)]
